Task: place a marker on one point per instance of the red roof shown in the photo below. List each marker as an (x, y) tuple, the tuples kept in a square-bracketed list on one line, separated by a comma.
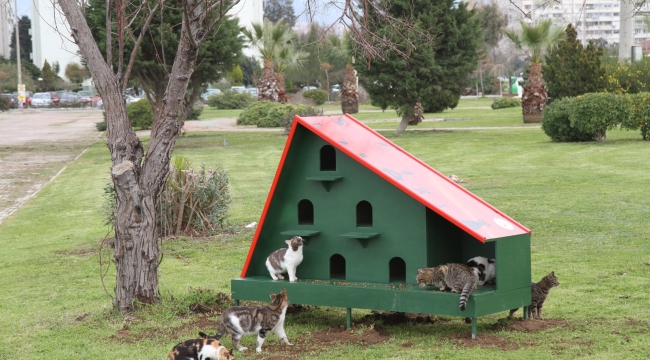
[(414, 177)]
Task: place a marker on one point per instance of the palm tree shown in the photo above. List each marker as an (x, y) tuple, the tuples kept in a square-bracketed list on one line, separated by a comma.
[(535, 40), (349, 93), (287, 58), (272, 41)]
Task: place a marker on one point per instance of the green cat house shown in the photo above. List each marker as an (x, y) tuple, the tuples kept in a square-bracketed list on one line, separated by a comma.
[(371, 214)]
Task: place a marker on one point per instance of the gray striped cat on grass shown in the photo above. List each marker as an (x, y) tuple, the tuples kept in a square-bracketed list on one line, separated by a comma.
[(539, 292), (246, 320), (286, 260), (459, 278)]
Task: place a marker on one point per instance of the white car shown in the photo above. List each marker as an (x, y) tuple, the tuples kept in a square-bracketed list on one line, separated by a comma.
[(209, 93), (42, 99), (336, 88), (305, 88)]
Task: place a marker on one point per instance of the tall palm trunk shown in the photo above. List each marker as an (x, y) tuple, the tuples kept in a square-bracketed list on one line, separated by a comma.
[(282, 90), (268, 83), (349, 94), (535, 95)]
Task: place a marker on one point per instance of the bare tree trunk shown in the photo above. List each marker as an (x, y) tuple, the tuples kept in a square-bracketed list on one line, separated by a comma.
[(138, 183), (403, 124)]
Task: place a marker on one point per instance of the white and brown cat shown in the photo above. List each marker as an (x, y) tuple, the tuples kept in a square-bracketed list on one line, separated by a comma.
[(285, 261), (245, 320)]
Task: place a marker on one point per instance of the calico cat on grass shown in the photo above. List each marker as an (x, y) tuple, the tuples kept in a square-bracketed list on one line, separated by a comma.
[(484, 269), (205, 348), (539, 291), (459, 278), (286, 260), (245, 320)]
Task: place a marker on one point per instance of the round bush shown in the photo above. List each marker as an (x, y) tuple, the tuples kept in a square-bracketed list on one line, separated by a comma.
[(557, 126), (319, 96), (230, 100), (598, 112), (505, 102), (140, 114), (273, 114), (639, 107)]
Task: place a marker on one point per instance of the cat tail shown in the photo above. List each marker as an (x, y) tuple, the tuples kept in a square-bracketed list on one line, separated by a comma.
[(222, 330), (467, 291)]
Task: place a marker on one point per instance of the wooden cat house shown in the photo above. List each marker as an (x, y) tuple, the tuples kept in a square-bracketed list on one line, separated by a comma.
[(371, 214)]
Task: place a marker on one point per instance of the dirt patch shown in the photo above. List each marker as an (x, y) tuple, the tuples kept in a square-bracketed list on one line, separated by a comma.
[(529, 326), (390, 318), (362, 334)]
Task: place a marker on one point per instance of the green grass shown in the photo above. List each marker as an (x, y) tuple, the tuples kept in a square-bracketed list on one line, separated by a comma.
[(586, 204)]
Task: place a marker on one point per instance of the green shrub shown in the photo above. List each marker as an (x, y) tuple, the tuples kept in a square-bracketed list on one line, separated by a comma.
[(556, 123), (140, 114), (195, 113), (101, 126), (639, 110), (192, 202), (5, 103), (319, 96), (597, 113), (273, 114), (505, 102), (230, 100)]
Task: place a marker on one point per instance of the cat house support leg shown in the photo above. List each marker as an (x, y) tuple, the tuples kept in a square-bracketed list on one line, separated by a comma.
[(526, 312), (236, 302), (474, 327), (348, 318)]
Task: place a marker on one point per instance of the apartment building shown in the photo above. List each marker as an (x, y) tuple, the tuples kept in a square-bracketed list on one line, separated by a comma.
[(602, 17)]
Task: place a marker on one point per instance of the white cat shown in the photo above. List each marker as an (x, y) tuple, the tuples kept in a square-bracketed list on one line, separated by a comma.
[(286, 260), (483, 268)]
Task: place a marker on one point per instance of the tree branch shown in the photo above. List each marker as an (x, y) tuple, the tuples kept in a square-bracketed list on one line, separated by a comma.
[(134, 52)]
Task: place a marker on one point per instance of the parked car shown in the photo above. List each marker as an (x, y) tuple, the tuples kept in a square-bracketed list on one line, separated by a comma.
[(68, 98), (42, 99), (336, 88), (28, 97), (239, 89), (13, 101), (305, 88), (55, 98), (131, 99), (209, 93), (252, 92), (85, 98)]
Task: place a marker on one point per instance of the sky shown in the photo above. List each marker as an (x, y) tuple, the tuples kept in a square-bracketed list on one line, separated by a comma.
[(325, 16), (24, 7)]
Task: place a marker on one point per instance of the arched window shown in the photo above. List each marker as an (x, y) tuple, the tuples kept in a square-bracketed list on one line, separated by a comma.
[(337, 267), (305, 212), (327, 158), (364, 214), (397, 270)]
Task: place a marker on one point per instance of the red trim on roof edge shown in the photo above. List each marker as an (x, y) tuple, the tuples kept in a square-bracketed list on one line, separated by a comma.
[(270, 197), (401, 187)]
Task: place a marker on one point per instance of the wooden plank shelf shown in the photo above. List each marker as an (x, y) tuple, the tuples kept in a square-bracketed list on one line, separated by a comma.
[(325, 180), (300, 232), (360, 235)]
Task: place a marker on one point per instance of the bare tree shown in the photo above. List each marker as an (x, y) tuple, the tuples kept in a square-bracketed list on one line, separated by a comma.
[(139, 174)]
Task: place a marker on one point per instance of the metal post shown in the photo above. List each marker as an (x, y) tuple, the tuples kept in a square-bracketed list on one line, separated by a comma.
[(474, 327), (236, 302), (348, 318), (20, 76), (526, 312)]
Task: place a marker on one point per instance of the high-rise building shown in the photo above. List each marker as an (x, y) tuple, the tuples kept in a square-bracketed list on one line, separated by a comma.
[(51, 39), (6, 29), (602, 17)]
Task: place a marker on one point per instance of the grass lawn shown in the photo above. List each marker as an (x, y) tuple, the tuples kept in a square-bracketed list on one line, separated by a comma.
[(586, 204)]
